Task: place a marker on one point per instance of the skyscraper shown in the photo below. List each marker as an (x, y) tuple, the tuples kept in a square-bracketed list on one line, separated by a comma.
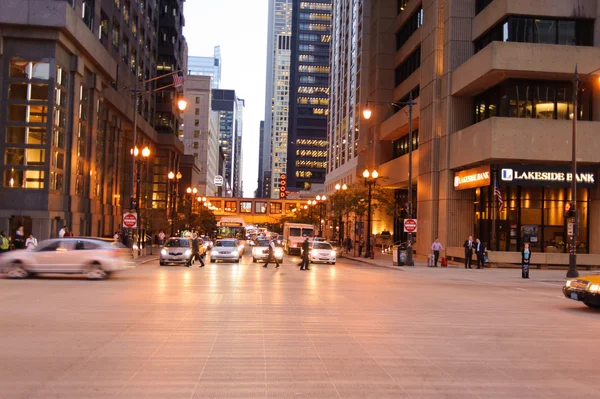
[(207, 66), (277, 91), (309, 94)]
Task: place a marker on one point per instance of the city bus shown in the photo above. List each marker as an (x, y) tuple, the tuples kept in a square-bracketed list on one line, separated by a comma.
[(230, 227), (294, 234)]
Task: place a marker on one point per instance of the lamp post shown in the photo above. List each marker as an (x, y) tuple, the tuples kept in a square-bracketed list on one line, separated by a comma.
[(341, 207), (311, 204), (321, 200), (400, 104), (192, 192), (202, 203), (145, 154), (174, 182), (370, 180)]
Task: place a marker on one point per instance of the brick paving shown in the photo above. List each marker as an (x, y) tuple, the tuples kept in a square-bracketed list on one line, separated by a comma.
[(349, 330)]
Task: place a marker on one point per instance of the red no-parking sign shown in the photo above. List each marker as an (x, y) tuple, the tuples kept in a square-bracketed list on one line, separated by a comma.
[(410, 225), (130, 220)]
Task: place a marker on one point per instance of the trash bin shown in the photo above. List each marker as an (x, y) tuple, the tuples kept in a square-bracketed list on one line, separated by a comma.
[(395, 255), (402, 255)]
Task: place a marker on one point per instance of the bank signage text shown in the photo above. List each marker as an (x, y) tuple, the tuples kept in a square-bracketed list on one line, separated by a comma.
[(472, 178), (551, 176)]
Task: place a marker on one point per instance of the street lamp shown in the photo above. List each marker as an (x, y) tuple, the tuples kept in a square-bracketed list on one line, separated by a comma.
[(202, 203), (174, 178), (341, 207), (182, 104), (400, 104), (321, 200), (370, 181), (145, 155)]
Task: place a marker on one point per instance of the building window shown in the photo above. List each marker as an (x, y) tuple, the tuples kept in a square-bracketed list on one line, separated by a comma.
[(115, 34), (260, 207), (532, 99), (245, 207), (196, 122), (411, 25), (481, 4), (400, 146), (275, 208), (196, 133), (410, 65), (578, 32), (197, 100), (230, 206), (87, 13), (197, 111)]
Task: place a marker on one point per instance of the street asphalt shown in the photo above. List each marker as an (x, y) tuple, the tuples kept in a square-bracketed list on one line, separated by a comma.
[(348, 330)]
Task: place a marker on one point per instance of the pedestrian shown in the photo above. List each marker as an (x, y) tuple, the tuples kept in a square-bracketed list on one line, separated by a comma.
[(525, 261), (31, 242), (271, 257), (196, 250), (479, 253), (305, 251), (468, 252), (436, 247), (348, 245), (116, 236), (20, 238), (361, 244), (161, 238), (4, 243), (62, 232)]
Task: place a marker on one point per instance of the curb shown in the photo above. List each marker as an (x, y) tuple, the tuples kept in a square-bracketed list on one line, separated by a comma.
[(359, 260)]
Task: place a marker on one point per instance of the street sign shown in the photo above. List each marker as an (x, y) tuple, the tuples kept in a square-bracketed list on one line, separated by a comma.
[(218, 181), (130, 220), (570, 229), (410, 225)]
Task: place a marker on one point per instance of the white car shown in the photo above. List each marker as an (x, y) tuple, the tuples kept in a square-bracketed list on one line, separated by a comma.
[(177, 250), (94, 257), (226, 249), (322, 251), (260, 251)]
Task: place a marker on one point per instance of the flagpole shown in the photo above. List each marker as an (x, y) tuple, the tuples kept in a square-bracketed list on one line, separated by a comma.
[(494, 177)]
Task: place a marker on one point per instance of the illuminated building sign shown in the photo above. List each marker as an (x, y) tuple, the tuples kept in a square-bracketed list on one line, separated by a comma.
[(472, 178), (550, 176)]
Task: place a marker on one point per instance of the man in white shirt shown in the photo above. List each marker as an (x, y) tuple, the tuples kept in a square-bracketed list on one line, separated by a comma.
[(468, 252), (436, 247), (62, 232), (31, 242)]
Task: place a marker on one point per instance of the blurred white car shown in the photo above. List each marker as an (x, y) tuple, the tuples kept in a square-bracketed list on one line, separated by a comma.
[(94, 257), (226, 249), (322, 252), (260, 251)]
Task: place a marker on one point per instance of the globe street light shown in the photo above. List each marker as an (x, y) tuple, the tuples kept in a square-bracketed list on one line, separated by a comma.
[(173, 182), (138, 189), (321, 200), (341, 206)]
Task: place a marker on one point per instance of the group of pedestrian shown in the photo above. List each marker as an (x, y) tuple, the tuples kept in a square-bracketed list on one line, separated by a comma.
[(65, 232), (479, 249), (7, 243)]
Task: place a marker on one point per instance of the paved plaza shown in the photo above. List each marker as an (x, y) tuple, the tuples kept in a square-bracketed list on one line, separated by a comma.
[(344, 331)]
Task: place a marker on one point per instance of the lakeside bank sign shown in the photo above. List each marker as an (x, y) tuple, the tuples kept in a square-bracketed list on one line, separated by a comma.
[(550, 176), (472, 178)]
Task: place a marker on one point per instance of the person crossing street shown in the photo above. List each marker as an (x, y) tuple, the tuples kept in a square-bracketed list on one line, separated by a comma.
[(272, 257)]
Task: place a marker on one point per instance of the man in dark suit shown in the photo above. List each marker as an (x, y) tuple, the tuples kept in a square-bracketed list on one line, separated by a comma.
[(305, 249), (272, 257), (468, 252), (479, 252)]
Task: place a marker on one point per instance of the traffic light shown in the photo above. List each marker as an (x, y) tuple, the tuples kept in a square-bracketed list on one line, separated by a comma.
[(569, 210), (134, 204)]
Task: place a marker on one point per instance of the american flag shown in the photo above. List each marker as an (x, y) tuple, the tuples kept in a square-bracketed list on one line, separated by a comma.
[(178, 79), (498, 194)]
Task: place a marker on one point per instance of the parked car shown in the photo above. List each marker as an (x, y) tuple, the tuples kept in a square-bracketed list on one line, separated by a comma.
[(585, 289), (95, 257), (260, 251), (226, 249), (322, 251), (176, 250)]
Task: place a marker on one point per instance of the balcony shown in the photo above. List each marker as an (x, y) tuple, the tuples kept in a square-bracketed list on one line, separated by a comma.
[(396, 171), (503, 60), (522, 139), (497, 10)]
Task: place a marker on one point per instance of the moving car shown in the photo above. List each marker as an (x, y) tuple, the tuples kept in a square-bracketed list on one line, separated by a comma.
[(176, 250), (94, 257), (322, 251), (585, 289), (226, 249), (260, 251), (207, 242)]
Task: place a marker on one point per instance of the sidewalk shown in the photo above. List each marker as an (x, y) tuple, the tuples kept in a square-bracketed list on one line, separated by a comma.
[(385, 260)]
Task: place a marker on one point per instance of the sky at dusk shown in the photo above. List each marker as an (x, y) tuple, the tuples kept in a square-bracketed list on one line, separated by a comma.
[(240, 28)]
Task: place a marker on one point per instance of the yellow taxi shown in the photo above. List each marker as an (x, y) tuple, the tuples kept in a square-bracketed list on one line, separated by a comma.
[(585, 289)]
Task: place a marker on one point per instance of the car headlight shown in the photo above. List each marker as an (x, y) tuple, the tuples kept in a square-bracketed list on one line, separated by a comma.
[(279, 252), (332, 253), (163, 251), (568, 283), (187, 252), (594, 288)]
